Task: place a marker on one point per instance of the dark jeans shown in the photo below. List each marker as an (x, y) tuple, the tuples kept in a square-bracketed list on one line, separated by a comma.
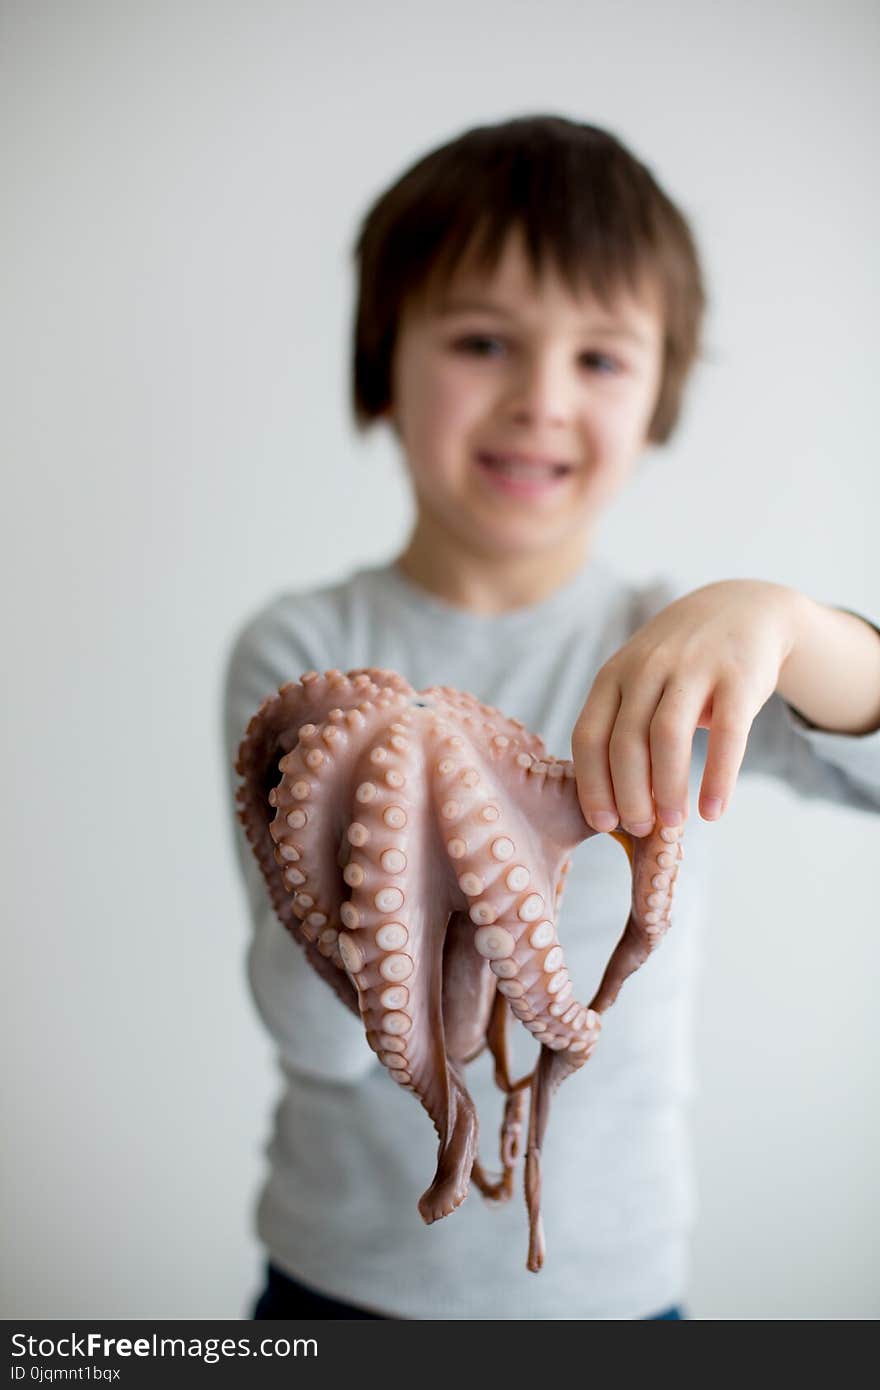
[(284, 1297)]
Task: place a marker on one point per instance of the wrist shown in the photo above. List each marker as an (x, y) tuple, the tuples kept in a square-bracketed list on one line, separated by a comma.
[(831, 675), (802, 614)]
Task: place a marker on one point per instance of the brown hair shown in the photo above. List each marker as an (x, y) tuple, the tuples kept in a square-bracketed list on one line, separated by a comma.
[(583, 202)]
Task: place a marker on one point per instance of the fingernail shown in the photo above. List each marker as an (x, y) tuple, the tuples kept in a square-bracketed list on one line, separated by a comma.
[(640, 828), (712, 807), (602, 820), (670, 817)]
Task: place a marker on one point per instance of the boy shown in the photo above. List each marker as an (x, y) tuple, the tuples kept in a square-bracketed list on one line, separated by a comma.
[(529, 309)]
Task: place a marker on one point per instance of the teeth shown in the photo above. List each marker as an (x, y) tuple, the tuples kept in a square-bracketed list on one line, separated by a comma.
[(525, 470)]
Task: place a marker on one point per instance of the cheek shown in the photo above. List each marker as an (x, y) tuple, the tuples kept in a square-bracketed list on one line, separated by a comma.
[(445, 409), (623, 427)]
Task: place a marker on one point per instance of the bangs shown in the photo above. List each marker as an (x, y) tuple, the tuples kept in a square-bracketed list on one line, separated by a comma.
[(593, 230)]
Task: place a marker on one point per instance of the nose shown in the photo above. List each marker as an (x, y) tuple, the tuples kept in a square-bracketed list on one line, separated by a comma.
[(541, 392)]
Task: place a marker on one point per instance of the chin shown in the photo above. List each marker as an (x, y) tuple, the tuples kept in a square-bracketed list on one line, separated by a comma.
[(523, 541)]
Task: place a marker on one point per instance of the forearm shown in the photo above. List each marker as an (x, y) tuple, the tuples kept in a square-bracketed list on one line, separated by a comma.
[(832, 674)]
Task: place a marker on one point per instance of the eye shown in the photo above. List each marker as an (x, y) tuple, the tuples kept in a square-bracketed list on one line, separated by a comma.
[(477, 345), (601, 362)]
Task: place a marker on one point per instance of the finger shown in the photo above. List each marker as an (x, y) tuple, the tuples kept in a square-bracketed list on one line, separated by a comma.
[(732, 715), (629, 757), (589, 751), (671, 742)]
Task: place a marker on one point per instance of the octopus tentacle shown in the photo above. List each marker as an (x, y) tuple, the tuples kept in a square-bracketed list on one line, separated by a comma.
[(310, 821), (541, 789), (468, 993), (393, 949), (508, 906), (471, 1009), (547, 1075), (501, 1189), (524, 952), (544, 787), (270, 734), (273, 762), (655, 861), (486, 723)]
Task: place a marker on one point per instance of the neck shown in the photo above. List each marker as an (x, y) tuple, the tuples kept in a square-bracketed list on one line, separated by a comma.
[(449, 568)]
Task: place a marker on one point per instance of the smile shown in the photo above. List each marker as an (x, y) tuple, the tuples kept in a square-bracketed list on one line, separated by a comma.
[(516, 477)]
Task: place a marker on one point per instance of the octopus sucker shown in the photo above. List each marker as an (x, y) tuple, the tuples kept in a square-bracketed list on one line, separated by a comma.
[(416, 845)]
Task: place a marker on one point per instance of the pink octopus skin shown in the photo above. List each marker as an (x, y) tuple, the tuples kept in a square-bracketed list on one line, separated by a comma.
[(416, 844)]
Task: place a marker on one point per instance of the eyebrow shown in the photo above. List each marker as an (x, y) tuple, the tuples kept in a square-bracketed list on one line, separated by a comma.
[(457, 308)]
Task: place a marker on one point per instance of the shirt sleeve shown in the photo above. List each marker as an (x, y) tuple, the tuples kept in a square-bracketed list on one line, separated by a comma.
[(842, 768), (315, 1034)]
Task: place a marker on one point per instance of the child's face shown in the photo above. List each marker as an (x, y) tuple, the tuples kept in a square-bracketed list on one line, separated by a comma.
[(536, 372)]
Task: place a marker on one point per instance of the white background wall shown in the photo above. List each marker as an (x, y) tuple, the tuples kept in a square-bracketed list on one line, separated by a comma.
[(182, 183)]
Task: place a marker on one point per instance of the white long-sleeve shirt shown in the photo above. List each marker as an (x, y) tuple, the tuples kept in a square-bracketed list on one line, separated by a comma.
[(350, 1152)]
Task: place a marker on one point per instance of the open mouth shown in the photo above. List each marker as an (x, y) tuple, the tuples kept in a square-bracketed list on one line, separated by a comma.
[(512, 467), (517, 477)]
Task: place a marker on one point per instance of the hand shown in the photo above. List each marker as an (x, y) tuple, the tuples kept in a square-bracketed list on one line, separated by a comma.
[(708, 661)]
